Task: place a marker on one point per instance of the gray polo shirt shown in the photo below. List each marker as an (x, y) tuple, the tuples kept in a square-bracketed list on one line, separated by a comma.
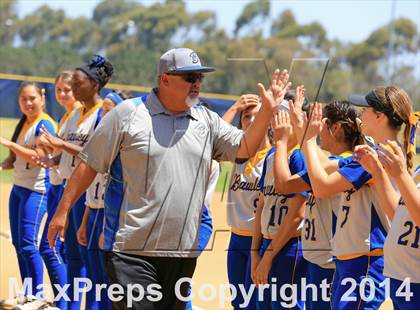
[(159, 165)]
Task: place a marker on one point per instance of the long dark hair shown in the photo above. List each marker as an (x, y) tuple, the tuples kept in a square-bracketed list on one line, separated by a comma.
[(19, 126)]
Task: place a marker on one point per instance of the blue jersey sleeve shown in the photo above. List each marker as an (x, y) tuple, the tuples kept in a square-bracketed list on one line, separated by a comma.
[(297, 165), (264, 171), (342, 161), (47, 125), (353, 172), (305, 176)]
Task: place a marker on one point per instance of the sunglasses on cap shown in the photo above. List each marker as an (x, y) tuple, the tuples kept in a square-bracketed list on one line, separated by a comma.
[(189, 77)]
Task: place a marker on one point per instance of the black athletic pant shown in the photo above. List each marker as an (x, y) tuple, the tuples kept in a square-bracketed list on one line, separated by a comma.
[(141, 272)]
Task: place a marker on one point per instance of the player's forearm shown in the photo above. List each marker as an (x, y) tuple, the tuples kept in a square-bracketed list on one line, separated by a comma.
[(387, 196), (411, 195), (284, 181), (23, 152), (316, 171), (323, 158), (71, 148), (7, 164), (85, 217), (330, 166), (253, 136), (230, 114), (281, 167), (83, 175)]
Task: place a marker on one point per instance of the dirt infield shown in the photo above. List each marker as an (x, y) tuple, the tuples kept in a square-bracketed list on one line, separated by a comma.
[(211, 268)]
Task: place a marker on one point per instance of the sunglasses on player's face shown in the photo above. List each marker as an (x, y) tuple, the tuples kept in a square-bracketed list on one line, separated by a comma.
[(189, 77)]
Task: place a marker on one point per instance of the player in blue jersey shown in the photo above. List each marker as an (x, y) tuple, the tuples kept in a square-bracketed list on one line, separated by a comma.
[(28, 198), (277, 226), (401, 251), (242, 199), (362, 223), (88, 80), (55, 260), (338, 137)]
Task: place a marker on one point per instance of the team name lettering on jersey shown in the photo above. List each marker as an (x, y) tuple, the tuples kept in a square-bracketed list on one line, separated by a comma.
[(79, 137), (237, 184)]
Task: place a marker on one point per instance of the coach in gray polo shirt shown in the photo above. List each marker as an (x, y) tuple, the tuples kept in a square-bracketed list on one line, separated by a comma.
[(158, 151)]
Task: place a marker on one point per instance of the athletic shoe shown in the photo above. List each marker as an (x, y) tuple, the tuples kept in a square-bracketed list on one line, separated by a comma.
[(9, 304)]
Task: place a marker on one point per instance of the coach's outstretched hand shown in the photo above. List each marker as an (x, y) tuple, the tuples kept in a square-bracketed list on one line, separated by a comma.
[(279, 86)]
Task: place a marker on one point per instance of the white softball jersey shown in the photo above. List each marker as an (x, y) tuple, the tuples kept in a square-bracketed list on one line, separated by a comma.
[(320, 223), (25, 174), (362, 224), (55, 175), (276, 205), (78, 130), (95, 192), (402, 252), (243, 194)]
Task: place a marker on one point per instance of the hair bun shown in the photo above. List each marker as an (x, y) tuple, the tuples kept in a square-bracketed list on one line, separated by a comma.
[(106, 71), (99, 69)]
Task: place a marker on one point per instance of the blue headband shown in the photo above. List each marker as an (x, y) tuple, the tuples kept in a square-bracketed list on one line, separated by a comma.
[(114, 97)]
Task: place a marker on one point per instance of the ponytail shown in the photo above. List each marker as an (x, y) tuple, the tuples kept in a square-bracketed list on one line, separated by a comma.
[(399, 107), (410, 137)]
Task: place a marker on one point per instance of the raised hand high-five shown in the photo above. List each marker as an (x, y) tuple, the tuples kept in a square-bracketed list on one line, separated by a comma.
[(282, 128), (296, 112), (278, 88), (316, 122), (314, 127)]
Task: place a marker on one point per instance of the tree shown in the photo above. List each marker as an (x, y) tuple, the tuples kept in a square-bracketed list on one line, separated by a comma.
[(253, 10), (133, 35), (8, 18), (35, 28), (81, 34), (287, 27), (284, 21), (375, 47), (108, 9)]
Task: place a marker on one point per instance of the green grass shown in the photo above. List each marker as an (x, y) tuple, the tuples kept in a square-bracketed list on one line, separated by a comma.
[(7, 126), (224, 177)]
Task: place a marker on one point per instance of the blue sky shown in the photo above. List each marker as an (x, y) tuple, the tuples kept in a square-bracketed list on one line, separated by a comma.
[(345, 20)]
